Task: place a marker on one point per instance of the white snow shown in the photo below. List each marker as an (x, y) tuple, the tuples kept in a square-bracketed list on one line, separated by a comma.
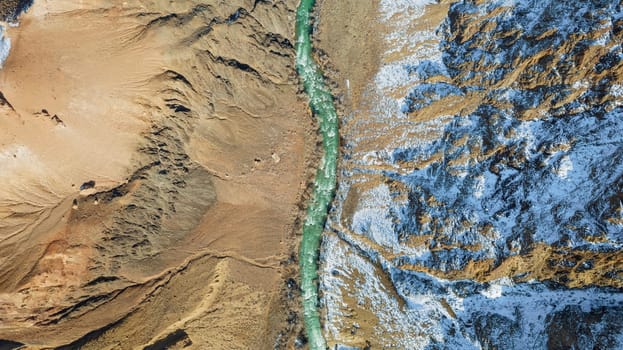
[(5, 46), (391, 8), (564, 167), (372, 219), (479, 188), (616, 90)]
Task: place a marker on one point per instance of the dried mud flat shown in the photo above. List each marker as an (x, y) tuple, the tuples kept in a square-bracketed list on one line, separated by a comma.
[(153, 158)]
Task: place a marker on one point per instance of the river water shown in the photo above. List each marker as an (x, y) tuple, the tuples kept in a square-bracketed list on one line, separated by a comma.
[(321, 104)]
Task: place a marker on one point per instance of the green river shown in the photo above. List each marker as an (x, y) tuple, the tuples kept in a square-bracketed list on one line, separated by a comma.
[(321, 103)]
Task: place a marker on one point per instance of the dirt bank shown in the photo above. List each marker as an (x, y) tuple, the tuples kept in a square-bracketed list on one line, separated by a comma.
[(349, 43)]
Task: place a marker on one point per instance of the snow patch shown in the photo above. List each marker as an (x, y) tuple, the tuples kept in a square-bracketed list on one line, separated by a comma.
[(390, 8), (5, 46), (564, 167)]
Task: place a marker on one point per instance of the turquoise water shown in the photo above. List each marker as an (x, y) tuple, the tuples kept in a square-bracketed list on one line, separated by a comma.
[(321, 103)]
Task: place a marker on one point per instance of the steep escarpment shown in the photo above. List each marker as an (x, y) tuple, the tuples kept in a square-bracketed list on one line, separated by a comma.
[(479, 202), (152, 168)]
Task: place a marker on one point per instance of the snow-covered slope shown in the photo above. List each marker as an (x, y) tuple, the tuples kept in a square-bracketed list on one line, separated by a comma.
[(481, 202), (5, 46)]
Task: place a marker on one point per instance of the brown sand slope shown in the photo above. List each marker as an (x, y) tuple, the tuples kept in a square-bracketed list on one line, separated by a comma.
[(152, 156)]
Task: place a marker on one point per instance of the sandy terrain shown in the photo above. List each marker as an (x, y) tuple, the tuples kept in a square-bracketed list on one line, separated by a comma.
[(350, 36), (152, 158)]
